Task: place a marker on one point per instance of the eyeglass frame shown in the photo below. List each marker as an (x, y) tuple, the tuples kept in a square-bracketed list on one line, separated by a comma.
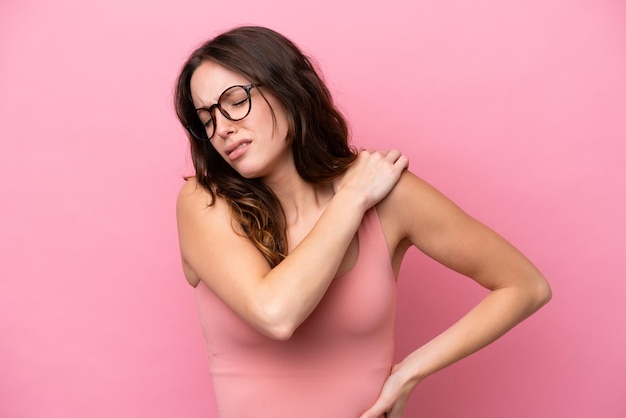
[(210, 109)]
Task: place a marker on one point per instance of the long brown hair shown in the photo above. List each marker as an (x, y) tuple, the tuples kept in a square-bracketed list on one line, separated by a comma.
[(318, 133)]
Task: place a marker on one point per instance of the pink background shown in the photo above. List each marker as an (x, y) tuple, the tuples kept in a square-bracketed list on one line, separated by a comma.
[(516, 110)]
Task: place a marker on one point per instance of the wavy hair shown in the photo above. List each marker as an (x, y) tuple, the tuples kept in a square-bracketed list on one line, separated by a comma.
[(317, 133)]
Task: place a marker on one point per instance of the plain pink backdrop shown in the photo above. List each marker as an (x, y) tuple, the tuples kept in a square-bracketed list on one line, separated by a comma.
[(516, 110)]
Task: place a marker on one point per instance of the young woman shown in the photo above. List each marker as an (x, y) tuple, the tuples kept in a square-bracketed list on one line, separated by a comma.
[(293, 242)]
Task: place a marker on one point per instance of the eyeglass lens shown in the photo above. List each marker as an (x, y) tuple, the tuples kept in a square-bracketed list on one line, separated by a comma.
[(234, 104)]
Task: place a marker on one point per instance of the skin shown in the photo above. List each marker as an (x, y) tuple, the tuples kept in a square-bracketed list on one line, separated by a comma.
[(321, 226), (271, 157)]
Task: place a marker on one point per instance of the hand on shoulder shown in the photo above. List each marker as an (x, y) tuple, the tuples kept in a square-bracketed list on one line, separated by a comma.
[(372, 176)]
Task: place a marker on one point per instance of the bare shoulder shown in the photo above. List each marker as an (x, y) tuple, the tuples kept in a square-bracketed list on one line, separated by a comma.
[(415, 213), (195, 203), (203, 221), (413, 189), (192, 193), (211, 245), (414, 206)]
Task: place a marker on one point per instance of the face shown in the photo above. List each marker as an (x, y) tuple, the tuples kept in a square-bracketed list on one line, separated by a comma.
[(256, 145)]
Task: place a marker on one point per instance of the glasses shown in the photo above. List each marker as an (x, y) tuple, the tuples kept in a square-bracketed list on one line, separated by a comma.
[(234, 104)]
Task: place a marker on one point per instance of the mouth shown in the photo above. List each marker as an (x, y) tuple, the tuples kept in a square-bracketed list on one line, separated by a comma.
[(237, 147)]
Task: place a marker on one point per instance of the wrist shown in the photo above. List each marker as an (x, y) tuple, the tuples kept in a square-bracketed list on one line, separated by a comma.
[(352, 200), (408, 372)]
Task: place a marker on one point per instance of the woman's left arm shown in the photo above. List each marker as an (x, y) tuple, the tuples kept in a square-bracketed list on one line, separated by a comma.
[(414, 213)]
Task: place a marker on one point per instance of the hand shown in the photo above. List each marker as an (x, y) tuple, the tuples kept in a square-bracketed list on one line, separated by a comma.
[(393, 396), (373, 175)]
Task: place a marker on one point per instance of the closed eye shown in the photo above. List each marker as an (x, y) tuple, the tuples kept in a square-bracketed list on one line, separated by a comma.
[(241, 102), (205, 117)]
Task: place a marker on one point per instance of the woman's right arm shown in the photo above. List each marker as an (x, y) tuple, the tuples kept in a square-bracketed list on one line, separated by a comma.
[(275, 301)]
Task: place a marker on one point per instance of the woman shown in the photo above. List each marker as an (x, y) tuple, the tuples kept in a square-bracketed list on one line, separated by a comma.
[(293, 242)]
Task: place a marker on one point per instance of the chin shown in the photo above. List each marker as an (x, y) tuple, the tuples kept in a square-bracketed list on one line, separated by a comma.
[(253, 169), (248, 173)]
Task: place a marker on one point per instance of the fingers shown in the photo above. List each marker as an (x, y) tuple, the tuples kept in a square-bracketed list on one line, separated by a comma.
[(372, 413), (372, 176), (393, 155), (400, 161), (378, 410), (382, 410), (393, 397)]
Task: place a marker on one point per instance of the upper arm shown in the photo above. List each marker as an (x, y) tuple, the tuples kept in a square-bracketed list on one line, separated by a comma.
[(417, 214), (213, 252)]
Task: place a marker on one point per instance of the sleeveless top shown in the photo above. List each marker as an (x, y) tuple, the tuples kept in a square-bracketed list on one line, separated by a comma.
[(335, 363)]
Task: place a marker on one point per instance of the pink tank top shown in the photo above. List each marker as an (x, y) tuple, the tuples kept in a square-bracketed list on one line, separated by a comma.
[(336, 362)]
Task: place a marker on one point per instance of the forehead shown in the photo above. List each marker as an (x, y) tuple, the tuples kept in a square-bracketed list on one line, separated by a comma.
[(209, 81)]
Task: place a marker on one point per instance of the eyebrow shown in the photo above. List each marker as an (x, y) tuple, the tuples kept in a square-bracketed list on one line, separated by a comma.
[(208, 108)]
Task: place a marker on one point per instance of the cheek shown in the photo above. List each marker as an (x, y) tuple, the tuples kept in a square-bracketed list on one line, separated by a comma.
[(283, 126), (280, 121), (287, 129), (270, 128)]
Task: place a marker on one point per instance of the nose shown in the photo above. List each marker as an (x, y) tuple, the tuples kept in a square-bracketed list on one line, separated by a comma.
[(224, 127)]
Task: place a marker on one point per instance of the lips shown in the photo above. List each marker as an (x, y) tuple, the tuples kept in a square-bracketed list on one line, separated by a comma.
[(237, 148)]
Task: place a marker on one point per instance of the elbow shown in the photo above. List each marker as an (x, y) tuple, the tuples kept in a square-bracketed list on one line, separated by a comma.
[(274, 323), (279, 333), (540, 293), (547, 293)]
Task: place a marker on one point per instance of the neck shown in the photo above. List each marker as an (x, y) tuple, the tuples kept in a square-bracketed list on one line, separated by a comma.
[(301, 201)]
